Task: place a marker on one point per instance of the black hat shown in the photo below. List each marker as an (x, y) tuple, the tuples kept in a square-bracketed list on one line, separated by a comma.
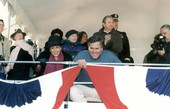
[(54, 41), (69, 33), (57, 30), (115, 17), (18, 31)]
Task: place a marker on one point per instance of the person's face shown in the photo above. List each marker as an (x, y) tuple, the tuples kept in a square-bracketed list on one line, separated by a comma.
[(55, 50), (84, 38), (73, 38), (115, 25), (95, 49), (165, 32), (18, 36), (108, 25), (56, 34), (1, 26)]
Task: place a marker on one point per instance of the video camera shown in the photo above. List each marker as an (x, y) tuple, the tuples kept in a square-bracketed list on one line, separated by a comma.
[(159, 42), (2, 58)]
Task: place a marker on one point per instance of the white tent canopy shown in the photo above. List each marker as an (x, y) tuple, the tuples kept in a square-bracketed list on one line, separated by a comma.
[(140, 19)]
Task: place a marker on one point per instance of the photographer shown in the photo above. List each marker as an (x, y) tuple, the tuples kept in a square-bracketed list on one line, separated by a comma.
[(160, 52)]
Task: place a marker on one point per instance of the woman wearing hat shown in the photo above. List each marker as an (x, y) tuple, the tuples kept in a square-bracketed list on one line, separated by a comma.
[(20, 51), (71, 45), (57, 32), (54, 54)]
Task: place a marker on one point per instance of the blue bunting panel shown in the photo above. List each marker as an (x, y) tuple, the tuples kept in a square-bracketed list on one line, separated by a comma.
[(158, 81), (12, 94)]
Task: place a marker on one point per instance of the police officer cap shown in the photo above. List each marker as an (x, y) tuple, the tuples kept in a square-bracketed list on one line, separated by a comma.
[(115, 17)]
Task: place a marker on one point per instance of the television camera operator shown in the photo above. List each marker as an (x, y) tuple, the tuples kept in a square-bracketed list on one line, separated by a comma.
[(160, 52)]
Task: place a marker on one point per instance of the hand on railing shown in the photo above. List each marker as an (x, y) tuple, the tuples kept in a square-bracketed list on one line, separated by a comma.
[(82, 63), (2, 59), (43, 61)]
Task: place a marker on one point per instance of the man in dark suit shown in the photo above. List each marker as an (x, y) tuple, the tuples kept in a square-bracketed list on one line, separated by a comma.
[(124, 55)]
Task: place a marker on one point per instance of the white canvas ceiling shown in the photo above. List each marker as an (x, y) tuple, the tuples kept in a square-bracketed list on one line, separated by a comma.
[(140, 19)]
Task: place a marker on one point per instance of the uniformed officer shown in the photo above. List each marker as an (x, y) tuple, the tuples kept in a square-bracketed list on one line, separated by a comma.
[(124, 56)]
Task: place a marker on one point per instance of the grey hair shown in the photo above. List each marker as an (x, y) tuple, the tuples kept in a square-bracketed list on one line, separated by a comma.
[(167, 26), (104, 19)]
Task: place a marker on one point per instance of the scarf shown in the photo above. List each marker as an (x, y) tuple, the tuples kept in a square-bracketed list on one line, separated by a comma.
[(25, 47), (14, 54), (54, 67)]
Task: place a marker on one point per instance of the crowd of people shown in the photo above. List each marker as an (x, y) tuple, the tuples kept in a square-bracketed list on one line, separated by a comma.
[(107, 45), (76, 41)]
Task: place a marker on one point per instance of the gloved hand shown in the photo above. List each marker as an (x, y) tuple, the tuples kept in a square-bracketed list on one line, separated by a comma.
[(2, 58), (43, 61), (38, 68)]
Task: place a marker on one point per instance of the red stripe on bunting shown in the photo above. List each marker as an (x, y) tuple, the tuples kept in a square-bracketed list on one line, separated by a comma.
[(103, 80), (68, 78)]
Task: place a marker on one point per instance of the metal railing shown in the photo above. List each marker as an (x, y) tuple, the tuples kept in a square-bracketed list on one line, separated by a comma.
[(75, 63), (70, 63)]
